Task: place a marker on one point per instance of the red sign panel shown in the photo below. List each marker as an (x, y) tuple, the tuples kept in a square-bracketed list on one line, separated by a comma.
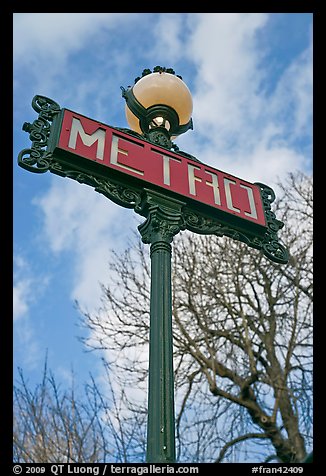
[(143, 160)]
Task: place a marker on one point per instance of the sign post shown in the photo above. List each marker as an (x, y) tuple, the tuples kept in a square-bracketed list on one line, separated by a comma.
[(164, 220), (174, 191)]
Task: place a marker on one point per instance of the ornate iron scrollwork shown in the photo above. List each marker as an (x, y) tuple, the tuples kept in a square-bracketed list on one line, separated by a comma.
[(36, 159), (267, 243), (271, 247), (204, 225), (164, 217), (119, 193)]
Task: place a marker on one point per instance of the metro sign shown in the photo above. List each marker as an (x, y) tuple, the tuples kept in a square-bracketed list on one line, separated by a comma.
[(122, 165), (152, 165), (175, 192)]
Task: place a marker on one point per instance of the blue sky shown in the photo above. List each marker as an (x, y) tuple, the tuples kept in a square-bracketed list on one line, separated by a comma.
[(250, 75)]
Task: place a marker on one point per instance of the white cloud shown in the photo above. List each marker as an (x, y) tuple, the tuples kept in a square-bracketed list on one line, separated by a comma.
[(168, 35), (88, 226), (26, 282), (28, 287), (28, 343), (291, 103), (48, 55), (268, 164), (22, 287), (21, 293), (52, 36), (224, 50)]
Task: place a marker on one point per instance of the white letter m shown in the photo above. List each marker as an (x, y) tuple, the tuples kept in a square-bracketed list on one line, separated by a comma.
[(87, 139)]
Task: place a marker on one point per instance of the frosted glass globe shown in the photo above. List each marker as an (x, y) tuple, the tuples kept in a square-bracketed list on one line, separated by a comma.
[(161, 88)]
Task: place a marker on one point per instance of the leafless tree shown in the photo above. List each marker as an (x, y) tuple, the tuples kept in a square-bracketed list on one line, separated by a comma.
[(52, 425)]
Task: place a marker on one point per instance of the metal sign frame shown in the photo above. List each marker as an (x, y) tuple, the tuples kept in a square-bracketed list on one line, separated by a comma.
[(130, 192)]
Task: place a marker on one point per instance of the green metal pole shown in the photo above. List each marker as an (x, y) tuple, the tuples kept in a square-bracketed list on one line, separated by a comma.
[(164, 220), (160, 430)]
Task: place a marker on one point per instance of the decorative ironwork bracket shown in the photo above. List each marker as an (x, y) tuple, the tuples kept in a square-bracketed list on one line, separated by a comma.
[(40, 157), (267, 243), (164, 217)]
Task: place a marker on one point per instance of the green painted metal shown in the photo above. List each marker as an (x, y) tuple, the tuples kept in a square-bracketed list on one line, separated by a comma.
[(164, 220), (160, 425)]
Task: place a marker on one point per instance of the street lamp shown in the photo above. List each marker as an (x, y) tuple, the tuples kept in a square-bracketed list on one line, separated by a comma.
[(159, 106), (174, 191)]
